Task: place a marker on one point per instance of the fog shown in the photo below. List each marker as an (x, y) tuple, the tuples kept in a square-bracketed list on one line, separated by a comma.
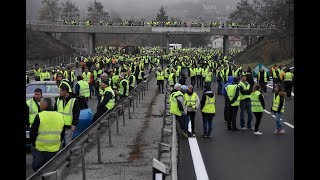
[(147, 9)]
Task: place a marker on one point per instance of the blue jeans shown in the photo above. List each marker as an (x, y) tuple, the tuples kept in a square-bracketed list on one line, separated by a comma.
[(207, 124), (245, 106), (40, 158), (278, 122)]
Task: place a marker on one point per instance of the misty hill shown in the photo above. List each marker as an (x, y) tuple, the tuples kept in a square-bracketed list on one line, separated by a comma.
[(42, 46), (270, 50)]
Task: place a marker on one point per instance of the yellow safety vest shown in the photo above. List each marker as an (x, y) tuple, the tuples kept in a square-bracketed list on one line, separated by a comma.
[(255, 102), (33, 110), (288, 76), (49, 132), (244, 96), (276, 102), (121, 90), (160, 75), (190, 101), (174, 109), (171, 80), (66, 111), (111, 102), (231, 91), (84, 88), (209, 106), (86, 77)]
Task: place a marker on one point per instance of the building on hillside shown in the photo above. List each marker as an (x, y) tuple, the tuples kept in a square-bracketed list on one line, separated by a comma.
[(217, 42)]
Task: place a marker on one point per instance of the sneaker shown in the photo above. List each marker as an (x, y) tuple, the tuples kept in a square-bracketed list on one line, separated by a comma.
[(203, 136), (276, 131), (257, 133), (194, 134), (251, 128), (243, 128), (282, 131), (209, 136)]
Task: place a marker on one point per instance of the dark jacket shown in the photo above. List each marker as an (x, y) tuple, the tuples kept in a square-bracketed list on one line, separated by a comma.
[(203, 101), (107, 97)]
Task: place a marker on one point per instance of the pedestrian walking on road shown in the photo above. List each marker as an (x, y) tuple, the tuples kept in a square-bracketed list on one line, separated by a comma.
[(263, 78), (288, 82), (278, 104), (192, 102), (257, 106), (208, 109)]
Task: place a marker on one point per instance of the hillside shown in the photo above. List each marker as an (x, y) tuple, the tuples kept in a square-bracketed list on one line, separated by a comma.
[(270, 50), (43, 46)]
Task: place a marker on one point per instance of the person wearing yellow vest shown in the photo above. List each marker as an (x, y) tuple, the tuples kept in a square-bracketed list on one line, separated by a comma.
[(46, 134), (33, 105), (71, 76), (275, 76), (288, 82), (257, 106), (60, 80), (107, 100), (36, 72), (208, 110), (172, 79), (278, 104), (160, 79), (191, 100), (96, 75), (68, 105), (82, 88), (132, 80), (123, 86), (233, 100), (178, 109), (193, 73), (45, 75), (245, 103), (86, 76)]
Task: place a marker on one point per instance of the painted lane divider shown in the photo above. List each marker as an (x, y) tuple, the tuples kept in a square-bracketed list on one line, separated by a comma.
[(199, 167)]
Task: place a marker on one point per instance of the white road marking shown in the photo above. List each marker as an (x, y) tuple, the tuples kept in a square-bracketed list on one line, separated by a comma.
[(267, 111), (288, 124), (273, 116), (199, 167), (189, 126), (270, 86)]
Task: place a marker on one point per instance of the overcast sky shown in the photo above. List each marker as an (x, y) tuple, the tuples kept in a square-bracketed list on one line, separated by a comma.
[(184, 9)]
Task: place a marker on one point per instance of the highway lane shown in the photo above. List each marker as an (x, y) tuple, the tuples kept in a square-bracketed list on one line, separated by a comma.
[(242, 155)]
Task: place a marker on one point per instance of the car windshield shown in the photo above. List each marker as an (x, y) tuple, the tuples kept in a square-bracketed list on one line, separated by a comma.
[(46, 88)]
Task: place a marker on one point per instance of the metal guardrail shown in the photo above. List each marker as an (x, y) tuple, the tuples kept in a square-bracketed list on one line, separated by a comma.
[(54, 167)]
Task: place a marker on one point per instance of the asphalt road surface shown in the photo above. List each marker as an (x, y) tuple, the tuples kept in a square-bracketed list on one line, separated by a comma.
[(239, 155)]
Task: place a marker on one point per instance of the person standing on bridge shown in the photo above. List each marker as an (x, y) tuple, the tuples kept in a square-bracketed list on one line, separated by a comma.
[(46, 134), (257, 106), (208, 109), (278, 104)]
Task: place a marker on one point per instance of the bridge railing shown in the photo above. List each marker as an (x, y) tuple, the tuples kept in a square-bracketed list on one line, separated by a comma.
[(54, 168)]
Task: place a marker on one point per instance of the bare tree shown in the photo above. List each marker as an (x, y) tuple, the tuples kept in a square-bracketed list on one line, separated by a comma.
[(50, 11), (70, 11), (96, 12), (161, 16)]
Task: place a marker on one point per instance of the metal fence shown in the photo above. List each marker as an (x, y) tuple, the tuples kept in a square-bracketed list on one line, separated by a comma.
[(53, 169), (53, 62)]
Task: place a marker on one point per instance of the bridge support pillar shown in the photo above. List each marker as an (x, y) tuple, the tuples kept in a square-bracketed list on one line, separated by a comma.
[(92, 43), (167, 43), (225, 45)]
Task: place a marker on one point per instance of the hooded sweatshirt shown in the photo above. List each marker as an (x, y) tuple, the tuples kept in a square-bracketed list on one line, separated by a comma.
[(230, 80), (206, 93)]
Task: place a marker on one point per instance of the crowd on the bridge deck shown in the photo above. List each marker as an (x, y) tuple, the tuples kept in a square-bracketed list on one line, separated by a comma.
[(111, 74), (212, 24)]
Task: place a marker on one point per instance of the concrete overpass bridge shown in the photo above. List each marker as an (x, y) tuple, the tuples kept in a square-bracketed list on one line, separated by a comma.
[(167, 31)]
